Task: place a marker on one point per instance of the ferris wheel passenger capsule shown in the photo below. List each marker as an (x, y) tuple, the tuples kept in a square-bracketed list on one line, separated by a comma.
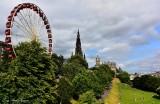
[(11, 55), (8, 25), (47, 27), (8, 40), (10, 18), (9, 48), (7, 32)]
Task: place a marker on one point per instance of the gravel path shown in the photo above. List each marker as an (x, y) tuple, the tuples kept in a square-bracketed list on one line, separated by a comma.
[(106, 92)]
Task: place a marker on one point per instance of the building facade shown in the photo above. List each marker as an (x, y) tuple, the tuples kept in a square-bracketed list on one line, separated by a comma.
[(112, 65), (97, 61)]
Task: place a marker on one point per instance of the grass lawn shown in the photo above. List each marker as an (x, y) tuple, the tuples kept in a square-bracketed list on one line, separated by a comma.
[(114, 95), (124, 94), (128, 95)]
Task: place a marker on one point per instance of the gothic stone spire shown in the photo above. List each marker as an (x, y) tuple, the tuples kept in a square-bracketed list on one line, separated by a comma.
[(78, 49)]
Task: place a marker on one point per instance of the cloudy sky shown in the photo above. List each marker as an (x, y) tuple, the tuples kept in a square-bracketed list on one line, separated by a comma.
[(124, 31)]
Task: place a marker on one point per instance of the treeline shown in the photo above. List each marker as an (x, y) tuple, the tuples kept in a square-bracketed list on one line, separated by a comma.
[(147, 83), (123, 76), (82, 83), (32, 77)]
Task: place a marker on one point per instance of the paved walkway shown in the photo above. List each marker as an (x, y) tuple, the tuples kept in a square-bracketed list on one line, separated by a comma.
[(106, 92)]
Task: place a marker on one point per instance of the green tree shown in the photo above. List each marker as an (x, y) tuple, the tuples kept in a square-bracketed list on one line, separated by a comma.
[(69, 70), (136, 82), (105, 75), (5, 62), (124, 77), (30, 77), (87, 98), (158, 90), (104, 78), (65, 90), (147, 82), (78, 59), (108, 70), (85, 81), (58, 60)]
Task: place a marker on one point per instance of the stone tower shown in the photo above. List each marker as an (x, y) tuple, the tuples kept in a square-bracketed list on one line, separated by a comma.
[(113, 66), (78, 49), (97, 61)]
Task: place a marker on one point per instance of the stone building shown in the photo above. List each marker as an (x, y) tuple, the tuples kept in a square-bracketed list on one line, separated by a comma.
[(97, 61), (112, 65)]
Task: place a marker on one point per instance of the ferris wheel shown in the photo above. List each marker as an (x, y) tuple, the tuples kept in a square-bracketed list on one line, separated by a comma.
[(27, 22)]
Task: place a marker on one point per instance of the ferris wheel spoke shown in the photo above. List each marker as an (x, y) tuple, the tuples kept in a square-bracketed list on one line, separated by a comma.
[(39, 25), (21, 27), (35, 23), (25, 18), (43, 40), (22, 20), (30, 21), (22, 24), (18, 35), (41, 30), (30, 28)]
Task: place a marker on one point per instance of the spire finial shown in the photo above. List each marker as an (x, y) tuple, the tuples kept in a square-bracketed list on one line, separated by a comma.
[(78, 35)]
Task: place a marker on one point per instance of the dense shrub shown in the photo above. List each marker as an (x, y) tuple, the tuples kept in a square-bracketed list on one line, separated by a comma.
[(136, 82), (70, 69), (124, 77), (96, 79), (146, 82), (87, 98), (85, 81), (105, 75), (158, 90), (107, 69), (65, 90), (58, 60), (78, 59)]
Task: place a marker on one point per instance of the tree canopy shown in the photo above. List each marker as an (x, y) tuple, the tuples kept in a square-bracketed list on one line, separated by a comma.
[(30, 77), (146, 82), (124, 77), (58, 60), (78, 59), (70, 70)]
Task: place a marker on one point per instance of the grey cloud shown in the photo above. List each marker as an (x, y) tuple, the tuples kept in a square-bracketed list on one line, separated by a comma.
[(148, 64), (138, 40), (110, 26)]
